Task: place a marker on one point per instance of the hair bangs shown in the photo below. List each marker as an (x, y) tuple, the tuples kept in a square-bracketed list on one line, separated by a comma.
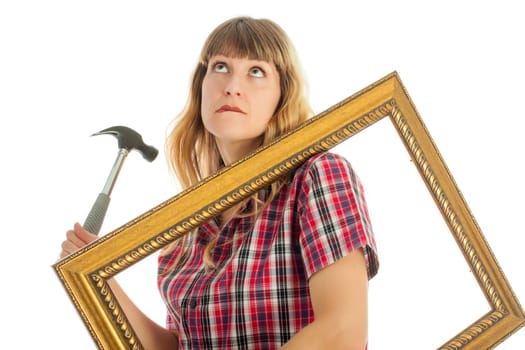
[(246, 38)]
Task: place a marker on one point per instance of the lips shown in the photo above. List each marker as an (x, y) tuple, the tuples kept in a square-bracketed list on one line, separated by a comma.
[(228, 108)]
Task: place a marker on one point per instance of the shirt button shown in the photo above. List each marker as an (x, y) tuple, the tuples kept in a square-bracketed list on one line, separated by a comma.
[(193, 303)]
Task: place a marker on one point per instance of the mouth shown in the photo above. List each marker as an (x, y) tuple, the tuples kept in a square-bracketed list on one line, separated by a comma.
[(228, 108)]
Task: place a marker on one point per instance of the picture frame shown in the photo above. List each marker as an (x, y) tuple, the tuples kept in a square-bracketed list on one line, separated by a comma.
[(85, 273)]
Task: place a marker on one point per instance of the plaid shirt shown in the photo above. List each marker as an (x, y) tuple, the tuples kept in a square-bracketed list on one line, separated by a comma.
[(257, 296)]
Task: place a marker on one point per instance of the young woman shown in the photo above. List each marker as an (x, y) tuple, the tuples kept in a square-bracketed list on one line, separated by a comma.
[(286, 268)]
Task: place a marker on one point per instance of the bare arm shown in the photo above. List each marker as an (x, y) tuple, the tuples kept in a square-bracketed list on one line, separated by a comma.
[(151, 335), (339, 295)]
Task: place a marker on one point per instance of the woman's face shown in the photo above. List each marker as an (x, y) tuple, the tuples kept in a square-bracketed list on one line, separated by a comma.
[(239, 97)]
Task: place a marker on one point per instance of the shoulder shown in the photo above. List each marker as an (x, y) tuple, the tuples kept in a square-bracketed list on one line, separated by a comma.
[(326, 165)]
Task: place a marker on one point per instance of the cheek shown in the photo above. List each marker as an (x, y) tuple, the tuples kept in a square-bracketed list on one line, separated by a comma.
[(273, 103), (205, 99)]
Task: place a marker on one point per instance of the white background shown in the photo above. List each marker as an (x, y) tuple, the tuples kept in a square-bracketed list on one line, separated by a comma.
[(71, 68)]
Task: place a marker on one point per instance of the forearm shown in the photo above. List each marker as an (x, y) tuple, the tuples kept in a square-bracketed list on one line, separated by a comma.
[(150, 334)]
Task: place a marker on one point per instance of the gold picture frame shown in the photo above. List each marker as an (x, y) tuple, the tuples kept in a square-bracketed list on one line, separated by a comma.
[(84, 273)]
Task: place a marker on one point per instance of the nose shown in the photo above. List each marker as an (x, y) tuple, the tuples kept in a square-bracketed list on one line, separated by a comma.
[(233, 87), (236, 93)]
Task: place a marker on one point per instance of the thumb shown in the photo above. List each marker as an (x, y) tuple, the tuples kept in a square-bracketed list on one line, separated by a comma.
[(83, 234)]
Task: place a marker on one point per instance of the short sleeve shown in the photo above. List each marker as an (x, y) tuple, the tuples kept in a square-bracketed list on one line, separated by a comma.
[(333, 215), (170, 322)]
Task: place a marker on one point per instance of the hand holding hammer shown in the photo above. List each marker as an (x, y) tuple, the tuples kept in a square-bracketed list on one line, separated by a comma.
[(128, 140)]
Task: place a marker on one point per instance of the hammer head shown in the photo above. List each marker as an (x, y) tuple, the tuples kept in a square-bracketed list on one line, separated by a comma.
[(129, 139)]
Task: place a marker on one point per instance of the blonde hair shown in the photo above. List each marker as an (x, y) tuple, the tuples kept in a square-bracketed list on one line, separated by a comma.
[(191, 150)]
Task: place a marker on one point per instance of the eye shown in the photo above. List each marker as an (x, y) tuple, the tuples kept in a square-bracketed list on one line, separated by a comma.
[(220, 67), (257, 72)]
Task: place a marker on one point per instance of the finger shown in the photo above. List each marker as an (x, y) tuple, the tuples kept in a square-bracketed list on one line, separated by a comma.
[(68, 247), (83, 234), (73, 238)]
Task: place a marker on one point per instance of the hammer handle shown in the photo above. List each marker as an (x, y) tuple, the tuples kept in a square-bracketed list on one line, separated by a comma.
[(98, 211), (96, 216)]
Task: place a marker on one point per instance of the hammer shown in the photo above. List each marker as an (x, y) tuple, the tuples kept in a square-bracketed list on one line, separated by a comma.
[(128, 139)]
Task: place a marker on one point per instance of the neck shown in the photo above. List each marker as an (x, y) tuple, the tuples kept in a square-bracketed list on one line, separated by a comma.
[(233, 151)]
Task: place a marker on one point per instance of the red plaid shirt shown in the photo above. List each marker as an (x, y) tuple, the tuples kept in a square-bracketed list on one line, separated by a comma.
[(257, 297)]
